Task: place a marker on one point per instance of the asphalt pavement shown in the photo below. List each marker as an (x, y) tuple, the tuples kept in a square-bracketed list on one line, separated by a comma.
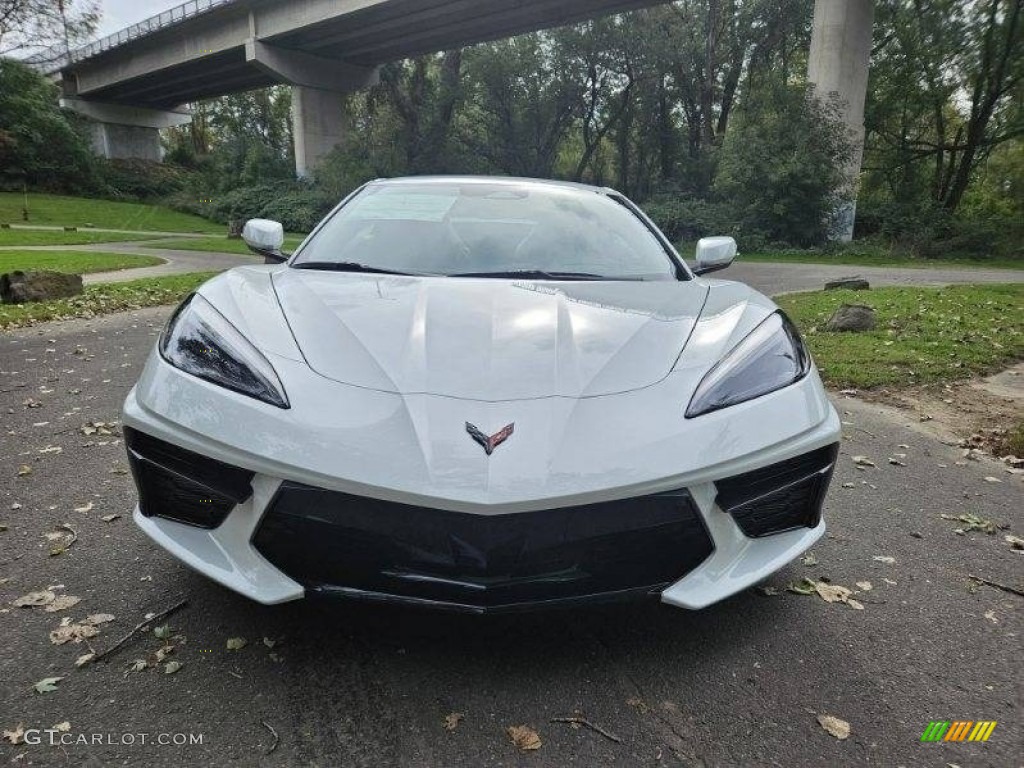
[(771, 278), (740, 684)]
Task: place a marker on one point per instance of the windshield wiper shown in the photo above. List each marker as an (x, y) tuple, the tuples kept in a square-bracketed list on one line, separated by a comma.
[(350, 266), (536, 274)]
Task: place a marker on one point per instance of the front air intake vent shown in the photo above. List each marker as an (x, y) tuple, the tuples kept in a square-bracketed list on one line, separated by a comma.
[(780, 497), (180, 485)]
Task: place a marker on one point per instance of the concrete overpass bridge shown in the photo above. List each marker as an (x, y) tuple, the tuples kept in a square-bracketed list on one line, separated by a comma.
[(133, 83)]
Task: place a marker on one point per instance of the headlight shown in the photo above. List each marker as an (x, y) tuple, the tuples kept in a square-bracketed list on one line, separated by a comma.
[(199, 340), (770, 358)]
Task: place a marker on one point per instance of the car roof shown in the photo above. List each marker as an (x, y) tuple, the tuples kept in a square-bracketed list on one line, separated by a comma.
[(492, 180)]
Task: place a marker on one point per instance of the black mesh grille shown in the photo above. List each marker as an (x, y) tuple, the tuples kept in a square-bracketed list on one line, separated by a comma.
[(181, 485), (338, 542), (782, 496)]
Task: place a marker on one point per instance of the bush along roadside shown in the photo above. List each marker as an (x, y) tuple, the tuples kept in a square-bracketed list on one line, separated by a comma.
[(105, 299)]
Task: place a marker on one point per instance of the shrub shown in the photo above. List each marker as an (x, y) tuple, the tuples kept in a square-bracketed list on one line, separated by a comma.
[(684, 219), (141, 179), (298, 206)]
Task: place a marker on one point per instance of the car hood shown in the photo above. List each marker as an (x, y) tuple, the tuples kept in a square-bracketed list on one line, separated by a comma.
[(491, 340)]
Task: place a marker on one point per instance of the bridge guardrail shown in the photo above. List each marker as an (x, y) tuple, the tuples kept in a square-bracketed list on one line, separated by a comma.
[(55, 58)]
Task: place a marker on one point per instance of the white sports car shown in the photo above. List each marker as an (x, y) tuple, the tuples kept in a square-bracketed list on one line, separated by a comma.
[(481, 394)]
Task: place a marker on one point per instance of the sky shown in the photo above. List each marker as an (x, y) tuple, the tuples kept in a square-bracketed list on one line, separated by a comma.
[(118, 14)]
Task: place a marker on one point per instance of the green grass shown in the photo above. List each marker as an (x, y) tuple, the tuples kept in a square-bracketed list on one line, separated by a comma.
[(57, 210), (1014, 442), (220, 244), (50, 237), (861, 254), (924, 335), (76, 262), (105, 298)]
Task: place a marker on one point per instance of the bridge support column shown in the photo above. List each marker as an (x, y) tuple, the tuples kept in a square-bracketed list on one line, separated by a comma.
[(126, 132), (114, 141), (838, 66), (319, 125)]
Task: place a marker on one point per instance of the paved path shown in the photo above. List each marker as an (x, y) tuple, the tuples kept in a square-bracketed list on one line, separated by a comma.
[(772, 278), (738, 685), (175, 261)]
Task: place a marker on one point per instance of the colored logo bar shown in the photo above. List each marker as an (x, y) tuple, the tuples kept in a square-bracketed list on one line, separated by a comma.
[(958, 730)]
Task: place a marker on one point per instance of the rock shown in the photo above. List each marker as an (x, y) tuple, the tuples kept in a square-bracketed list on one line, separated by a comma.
[(849, 283), (23, 287), (851, 317)]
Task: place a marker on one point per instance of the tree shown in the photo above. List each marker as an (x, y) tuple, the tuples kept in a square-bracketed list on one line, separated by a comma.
[(522, 101), (945, 93), (46, 28), (38, 144), (781, 168)]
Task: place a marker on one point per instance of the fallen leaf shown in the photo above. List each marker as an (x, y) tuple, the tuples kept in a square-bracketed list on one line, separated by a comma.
[(84, 659), (269, 643), (162, 633), (974, 523), (768, 591), (24, 470), (834, 726), (136, 666), (849, 485), (171, 667), (1015, 542), (991, 616), (884, 559), (47, 684), (85, 507), (832, 593), (62, 727), (897, 462), (16, 505), (62, 603), (16, 736), (809, 560), (863, 461), (992, 480), (857, 605), (805, 587), (69, 632), (864, 586), (639, 705), (451, 722), (33, 599), (237, 643), (96, 619), (109, 518), (524, 737)]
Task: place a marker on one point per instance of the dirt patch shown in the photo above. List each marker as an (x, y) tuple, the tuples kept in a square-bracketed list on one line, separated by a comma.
[(982, 416)]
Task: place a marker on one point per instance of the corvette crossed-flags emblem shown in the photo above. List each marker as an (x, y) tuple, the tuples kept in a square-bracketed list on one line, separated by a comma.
[(491, 442)]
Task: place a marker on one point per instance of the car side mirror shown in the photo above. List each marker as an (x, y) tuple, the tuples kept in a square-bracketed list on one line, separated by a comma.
[(715, 253), (265, 238)]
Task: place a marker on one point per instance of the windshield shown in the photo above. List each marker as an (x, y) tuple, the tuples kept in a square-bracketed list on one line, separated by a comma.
[(483, 229)]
